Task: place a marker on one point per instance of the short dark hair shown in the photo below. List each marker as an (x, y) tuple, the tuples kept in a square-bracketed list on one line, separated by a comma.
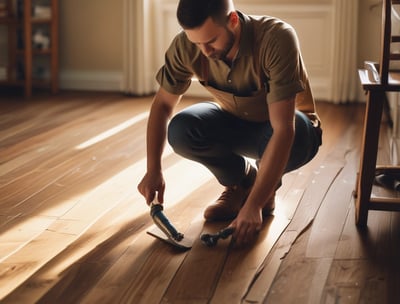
[(193, 13)]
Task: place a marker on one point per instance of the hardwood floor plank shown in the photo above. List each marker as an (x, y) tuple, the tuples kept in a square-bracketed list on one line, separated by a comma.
[(377, 248), (365, 243), (331, 162), (305, 213), (6, 219), (150, 285), (118, 283), (21, 265), (36, 148), (304, 271), (66, 139), (44, 120), (87, 208), (311, 200), (290, 193), (355, 281), (196, 278), (24, 230), (182, 215), (125, 289), (328, 225), (393, 260), (242, 264), (323, 175), (83, 215), (51, 112), (261, 286), (100, 246), (70, 290), (83, 168), (318, 280), (113, 285), (92, 267)]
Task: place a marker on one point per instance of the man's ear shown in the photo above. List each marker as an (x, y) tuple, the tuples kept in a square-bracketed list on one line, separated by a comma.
[(233, 19)]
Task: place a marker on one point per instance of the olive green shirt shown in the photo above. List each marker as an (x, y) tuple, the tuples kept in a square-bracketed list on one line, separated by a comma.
[(268, 68)]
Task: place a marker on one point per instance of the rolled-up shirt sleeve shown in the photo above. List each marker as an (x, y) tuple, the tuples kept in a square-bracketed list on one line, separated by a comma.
[(283, 65), (175, 76)]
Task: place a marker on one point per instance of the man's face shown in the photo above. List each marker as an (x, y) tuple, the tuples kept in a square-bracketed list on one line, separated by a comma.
[(214, 40)]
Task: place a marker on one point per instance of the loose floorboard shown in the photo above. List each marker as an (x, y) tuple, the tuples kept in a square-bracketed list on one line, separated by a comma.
[(73, 226)]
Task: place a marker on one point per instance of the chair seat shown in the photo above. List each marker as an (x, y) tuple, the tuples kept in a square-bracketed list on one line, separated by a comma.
[(369, 83)]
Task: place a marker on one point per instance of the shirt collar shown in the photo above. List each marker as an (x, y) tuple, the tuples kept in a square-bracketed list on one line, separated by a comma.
[(246, 43)]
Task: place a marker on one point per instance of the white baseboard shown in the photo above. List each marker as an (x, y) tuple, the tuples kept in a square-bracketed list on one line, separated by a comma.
[(91, 80)]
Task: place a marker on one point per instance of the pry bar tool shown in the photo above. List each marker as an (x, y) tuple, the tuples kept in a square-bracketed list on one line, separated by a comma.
[(164, 230), (163, 223), (211, 240)]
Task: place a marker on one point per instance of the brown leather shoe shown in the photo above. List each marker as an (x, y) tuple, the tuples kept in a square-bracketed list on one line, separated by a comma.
[(228, 205)]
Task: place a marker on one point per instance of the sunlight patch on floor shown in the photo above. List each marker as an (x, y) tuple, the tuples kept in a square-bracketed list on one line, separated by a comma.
[(115, 130), (183, 177)]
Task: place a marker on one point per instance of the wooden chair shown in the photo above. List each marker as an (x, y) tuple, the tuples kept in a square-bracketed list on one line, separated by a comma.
[(377, 79)]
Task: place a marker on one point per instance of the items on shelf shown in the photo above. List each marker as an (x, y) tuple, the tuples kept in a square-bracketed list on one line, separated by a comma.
[(32, 53), (40, 40), (41, 11)]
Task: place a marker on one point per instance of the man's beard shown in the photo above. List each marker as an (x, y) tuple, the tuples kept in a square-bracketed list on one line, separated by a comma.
[(221, 54)]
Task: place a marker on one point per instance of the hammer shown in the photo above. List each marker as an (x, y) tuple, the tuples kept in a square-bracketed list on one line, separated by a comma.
[(211, 240)]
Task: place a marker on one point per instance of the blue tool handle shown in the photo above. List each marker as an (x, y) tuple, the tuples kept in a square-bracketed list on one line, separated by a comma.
[(163, 223)]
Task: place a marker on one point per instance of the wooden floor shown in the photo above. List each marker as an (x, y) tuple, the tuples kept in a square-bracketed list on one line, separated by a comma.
[(73, 226)]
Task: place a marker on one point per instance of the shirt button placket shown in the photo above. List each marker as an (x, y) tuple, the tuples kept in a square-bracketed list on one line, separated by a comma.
[(229, 77)]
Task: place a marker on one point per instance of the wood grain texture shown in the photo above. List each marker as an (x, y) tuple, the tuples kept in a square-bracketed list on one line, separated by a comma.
[(73, 226)]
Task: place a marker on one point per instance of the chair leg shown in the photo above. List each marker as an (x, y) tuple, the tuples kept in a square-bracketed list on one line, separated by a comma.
[(369, 149)]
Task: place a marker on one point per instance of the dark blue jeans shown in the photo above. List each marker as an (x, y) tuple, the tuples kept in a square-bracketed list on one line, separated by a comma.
[(206, 134)]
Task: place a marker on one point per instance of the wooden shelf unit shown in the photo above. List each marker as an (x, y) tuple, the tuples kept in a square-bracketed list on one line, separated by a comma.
[(22, 56)]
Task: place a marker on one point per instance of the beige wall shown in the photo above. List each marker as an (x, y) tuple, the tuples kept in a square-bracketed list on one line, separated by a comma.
[(91, 35), (369, 31), (91, 32)]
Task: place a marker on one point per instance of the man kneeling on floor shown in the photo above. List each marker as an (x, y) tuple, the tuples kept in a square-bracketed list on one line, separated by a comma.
[(263, 110)]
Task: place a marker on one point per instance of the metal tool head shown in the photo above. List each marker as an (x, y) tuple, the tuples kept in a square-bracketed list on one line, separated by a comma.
[(184, 244), (211, 240)]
